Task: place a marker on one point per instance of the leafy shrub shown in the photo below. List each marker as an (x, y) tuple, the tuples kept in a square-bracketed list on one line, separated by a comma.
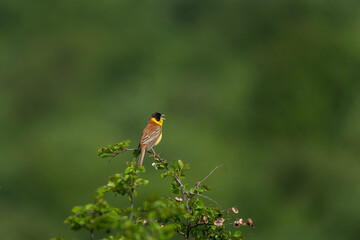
[(157, 218)]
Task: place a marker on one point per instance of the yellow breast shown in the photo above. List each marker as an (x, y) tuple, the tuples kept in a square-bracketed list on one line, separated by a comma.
[(159, 139)]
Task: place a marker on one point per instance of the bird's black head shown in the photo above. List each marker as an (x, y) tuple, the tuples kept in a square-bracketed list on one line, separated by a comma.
[(156, 115)]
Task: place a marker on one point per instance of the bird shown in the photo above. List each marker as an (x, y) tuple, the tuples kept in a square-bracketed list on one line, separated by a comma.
[(151, 135)]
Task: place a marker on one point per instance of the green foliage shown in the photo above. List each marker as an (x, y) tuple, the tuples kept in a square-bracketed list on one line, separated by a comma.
[(114, 149), (157, 217)]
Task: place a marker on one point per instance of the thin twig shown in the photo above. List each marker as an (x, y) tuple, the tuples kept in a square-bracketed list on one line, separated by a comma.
[(207, 198), (92, 235), (188, 200), (199, 183), (200, 224), (183, 193), (132, 203), (122, 151), (180, 232), (228, 208)]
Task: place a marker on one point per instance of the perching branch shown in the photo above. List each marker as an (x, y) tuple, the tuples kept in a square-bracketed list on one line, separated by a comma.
[(156, 155), (122, 151)]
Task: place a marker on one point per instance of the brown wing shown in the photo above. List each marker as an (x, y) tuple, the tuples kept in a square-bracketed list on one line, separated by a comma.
[(150, 135)]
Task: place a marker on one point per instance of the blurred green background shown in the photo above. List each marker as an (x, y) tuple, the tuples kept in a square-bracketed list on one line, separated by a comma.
[(268, 88)]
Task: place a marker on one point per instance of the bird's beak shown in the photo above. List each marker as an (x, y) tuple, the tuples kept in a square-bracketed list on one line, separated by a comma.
[(162, 117)]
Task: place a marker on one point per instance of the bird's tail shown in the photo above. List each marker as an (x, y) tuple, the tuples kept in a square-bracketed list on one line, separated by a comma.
[(142, 154)]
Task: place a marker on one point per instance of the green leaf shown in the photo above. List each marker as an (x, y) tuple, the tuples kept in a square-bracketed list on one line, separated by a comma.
[(237, 233), (111, 184), (128, 170), (206, 187), (102, 190), (181, 164), (105, 155), (187, 215), (127, 143), (200, 204), (141, 181), (89, 207), (140, 169), (77, 209), (136, 153)]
